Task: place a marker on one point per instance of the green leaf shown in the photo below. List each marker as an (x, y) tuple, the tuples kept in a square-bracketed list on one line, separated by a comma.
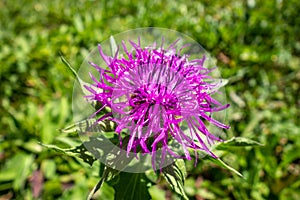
[(291, 153), (78, 23), (220, 163), (107, 175), (106, 192), (175, 175), (157, 193), (189, 187), (152, 175), (88, 125), (81, 82), (49, 168), (17, 170), (131, 186), (219, 84), (96, 188), (77, 152), (237, 142), (113, 46), (108, 149)]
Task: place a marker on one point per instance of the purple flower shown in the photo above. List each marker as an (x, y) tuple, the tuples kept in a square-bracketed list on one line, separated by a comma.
[(158, 96)]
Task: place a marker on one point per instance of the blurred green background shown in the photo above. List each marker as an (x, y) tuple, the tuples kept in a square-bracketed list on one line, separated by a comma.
[(257, 44)]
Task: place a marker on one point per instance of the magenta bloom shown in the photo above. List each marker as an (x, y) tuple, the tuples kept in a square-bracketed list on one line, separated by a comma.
[(158, 95)]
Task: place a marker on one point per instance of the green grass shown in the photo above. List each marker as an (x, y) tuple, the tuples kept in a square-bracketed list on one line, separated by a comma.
[(258, 50)]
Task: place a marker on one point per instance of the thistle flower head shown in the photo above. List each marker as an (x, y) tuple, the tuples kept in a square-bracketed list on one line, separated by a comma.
[(158, 96)]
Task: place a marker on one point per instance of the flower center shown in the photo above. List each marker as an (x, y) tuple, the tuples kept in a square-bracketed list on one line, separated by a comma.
[(152, 95), (146, 97)]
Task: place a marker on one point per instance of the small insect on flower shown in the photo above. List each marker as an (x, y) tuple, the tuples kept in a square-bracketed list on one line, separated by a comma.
[(160, 97)]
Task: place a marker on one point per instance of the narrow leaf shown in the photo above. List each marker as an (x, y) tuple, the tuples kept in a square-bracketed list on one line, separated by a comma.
[(220, 163), (237, 142), (113, 45), (95, 189), (290, 155), (107, 175), (77, 152), (81, 82), (219, 83), (175, 175), (88, 125)]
